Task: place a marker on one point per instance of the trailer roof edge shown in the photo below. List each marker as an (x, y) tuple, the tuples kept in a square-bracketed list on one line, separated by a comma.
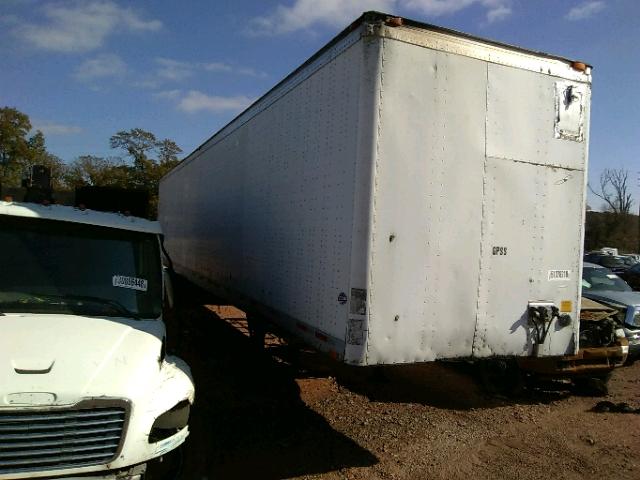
[(368, 16)]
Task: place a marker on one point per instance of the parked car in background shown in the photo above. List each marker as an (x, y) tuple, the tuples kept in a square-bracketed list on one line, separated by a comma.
[(604, 286), (634, 256), (632, 276), (616, 263)]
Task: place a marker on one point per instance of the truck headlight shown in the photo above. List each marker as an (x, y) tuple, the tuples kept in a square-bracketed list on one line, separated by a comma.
[(170, 422)]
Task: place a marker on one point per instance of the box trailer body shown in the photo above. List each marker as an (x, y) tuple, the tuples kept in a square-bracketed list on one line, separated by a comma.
[(408, 194)]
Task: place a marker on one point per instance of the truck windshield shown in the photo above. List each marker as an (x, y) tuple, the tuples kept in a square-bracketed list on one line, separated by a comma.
[(62, 267)]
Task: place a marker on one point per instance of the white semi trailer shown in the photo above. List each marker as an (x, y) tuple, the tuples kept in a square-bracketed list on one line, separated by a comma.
[(409, 193)]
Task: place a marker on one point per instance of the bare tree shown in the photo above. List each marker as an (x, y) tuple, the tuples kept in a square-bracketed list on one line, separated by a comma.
[(614, 190)]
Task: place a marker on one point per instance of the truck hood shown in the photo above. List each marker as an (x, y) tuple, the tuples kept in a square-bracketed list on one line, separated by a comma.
[(61, 359), (615, 298)]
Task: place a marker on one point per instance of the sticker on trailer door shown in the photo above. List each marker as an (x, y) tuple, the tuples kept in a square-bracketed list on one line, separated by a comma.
[(555, 275), (133, 283)]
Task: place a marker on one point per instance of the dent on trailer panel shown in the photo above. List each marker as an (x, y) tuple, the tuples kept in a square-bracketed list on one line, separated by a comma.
[(428, 192)]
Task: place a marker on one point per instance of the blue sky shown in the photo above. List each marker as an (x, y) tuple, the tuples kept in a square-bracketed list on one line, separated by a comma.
[(83, 70)]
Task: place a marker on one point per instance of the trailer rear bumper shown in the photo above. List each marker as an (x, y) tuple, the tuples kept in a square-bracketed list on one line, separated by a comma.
[(587, 362)]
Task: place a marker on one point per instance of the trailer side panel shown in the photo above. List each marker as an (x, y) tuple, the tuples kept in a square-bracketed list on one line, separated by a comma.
[(267, 209)]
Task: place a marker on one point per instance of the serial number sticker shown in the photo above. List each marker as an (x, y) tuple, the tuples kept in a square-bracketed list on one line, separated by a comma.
[(133, 283), (559, 275)]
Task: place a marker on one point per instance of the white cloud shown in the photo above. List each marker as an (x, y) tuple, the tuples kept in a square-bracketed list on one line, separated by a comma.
[(216, 67), (251, 72), (168, 94), (304, 14), (51, 128), (105, 65), (437, 7), (9, 20), (148, 83), (585, 10), (195, 101), (498, 13), (171, 70), (174, 70), (75, 26), (495, 9)]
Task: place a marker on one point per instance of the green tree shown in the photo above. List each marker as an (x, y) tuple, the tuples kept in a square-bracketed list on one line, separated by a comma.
[(168, 151), (19, 151), (14, 144), (89, 170), (151, 158), (138, 144), (37, 154)]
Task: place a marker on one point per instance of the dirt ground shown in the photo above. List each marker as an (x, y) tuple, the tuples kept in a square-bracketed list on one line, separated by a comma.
[(274, 415)]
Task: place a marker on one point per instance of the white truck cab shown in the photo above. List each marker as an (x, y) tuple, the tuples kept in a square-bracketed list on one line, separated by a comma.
[(86, 387)]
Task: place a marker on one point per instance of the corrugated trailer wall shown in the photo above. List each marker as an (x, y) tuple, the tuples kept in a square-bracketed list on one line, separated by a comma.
[(266, 208)]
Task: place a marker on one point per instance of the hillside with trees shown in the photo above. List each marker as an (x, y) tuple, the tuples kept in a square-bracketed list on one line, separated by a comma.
[(616, 225), (142, 161)]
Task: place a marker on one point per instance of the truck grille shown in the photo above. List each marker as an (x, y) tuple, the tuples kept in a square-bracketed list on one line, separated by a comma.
[(57, 439)]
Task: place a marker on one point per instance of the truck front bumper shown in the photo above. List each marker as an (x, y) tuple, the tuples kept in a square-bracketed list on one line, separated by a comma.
[(174, 387)]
